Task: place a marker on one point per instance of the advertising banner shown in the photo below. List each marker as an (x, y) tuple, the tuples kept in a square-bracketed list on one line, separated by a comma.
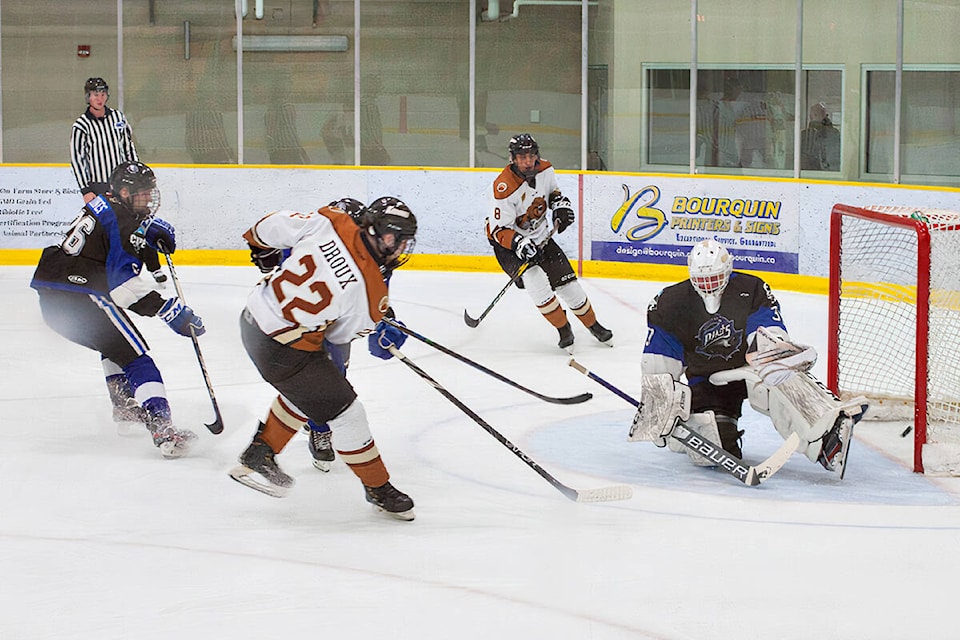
[(657, 220)]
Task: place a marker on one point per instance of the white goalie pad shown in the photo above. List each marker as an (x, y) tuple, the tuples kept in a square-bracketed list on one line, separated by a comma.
[(804, 406), (703, 424), (663, 400)]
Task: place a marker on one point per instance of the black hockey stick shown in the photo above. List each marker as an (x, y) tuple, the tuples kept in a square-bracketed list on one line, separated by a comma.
[(750, 475), (603, 494), (217, 425), (473, 322), (583, 397)]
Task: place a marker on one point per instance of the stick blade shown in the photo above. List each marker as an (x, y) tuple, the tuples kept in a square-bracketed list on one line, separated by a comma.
[(583, 397), (605, 494), (216, 427), (470, 321), (771, 465)]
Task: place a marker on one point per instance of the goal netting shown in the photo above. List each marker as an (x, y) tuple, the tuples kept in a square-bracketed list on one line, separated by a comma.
[(894, 332)]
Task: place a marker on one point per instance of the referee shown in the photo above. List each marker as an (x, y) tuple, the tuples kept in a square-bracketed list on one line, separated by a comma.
[(100, 140)]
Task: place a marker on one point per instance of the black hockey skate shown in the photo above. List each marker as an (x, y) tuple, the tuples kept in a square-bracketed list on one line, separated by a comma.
[(321, 448), (601, 333), (836, 445), (391, 501), (259, 459), (566, 336)]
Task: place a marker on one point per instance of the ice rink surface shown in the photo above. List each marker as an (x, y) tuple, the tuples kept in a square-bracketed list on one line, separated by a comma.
[(101, 538)]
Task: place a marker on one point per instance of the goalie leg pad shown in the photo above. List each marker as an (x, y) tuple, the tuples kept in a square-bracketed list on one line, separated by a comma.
[(662, 401), (703, 424), (802, 405)]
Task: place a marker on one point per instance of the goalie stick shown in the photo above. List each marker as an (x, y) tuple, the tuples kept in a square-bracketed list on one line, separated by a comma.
[(217, 425), (583, 397), (603, 494), (473, 322), (750, 475)]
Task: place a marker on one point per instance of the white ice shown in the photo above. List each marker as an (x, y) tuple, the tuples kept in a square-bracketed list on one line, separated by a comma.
[(101, 538)]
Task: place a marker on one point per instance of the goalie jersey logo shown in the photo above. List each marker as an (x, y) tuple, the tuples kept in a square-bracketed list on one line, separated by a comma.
[(719, 338)]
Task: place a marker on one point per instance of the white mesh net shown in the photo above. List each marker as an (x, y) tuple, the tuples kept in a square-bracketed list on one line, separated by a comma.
[(878, 318)]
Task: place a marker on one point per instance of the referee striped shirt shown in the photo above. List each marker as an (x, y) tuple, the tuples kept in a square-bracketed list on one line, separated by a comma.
[(97, 146)]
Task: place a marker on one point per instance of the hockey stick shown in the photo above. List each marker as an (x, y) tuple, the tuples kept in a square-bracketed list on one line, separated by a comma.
[(217, 425), (750, 475), (583, 397), (604, 494), (473, 322)]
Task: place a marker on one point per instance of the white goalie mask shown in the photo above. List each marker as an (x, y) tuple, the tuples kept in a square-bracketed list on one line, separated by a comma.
[(710, 267)]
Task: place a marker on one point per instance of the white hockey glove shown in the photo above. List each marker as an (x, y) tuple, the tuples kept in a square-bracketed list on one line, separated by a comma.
[(775, 358), (663, 401)]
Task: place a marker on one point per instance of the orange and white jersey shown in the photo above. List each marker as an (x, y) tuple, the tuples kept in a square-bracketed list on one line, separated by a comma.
[(329, 286), (521, 207)]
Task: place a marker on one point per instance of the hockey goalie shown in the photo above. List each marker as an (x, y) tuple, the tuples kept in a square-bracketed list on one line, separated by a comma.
[(722, 330)]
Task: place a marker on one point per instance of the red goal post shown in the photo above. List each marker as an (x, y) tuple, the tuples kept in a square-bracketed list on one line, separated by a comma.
[(894, 322)]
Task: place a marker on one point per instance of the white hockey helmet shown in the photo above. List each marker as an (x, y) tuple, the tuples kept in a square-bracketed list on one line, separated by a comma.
[(710, 268)]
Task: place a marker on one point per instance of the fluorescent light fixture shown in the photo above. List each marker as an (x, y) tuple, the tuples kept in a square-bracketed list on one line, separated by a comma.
[(292, 43)]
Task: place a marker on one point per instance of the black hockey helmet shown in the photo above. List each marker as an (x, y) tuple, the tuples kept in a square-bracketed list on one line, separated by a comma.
[(95, 84), (389, 231), (136, 178), (350, 206), (523, 143)]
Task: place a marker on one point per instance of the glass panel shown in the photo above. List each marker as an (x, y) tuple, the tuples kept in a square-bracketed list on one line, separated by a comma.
[(180, 80), (49, 51), (298, 83), (414, 82), (821, 140), (930, 135), (745, 85), (528, 80)]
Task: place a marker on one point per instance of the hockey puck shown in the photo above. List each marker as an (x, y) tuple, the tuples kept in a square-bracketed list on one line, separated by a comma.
[(906, 432)]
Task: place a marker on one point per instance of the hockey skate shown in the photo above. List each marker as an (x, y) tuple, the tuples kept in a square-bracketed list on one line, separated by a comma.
[(258, 459), (836, 445), (128, 416), (566, 337), (601, 333), (391, 501), (321, 448), (172, 442)]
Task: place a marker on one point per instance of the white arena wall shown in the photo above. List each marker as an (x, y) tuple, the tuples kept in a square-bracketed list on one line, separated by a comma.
[(630, 225)]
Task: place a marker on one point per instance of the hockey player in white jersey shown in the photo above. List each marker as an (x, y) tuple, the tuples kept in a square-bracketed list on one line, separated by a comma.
[(723, 330), (331, 287), (518, 229)]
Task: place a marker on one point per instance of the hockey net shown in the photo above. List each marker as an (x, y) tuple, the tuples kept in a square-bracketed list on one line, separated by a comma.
[(894, 332)]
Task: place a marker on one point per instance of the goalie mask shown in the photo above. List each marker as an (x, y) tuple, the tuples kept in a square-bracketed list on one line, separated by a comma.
[(710, 268), (389, 230), (135, 185)]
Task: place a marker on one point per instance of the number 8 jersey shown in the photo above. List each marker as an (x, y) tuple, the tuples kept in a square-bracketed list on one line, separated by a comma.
[(328, 287)]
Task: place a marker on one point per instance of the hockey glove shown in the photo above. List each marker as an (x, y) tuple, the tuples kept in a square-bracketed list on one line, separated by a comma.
[(383, 337), (266, 258), (525, 248), (181, 318), (775, 358), (562, 213), (159, 235)]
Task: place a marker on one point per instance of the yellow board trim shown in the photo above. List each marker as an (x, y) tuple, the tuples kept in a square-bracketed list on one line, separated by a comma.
[(470, 264)]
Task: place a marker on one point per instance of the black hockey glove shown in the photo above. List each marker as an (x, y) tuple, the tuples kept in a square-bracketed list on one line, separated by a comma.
[(267, 259), (562, 212)]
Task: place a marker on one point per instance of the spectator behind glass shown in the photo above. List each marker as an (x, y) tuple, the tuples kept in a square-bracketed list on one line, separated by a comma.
[(820, 142)]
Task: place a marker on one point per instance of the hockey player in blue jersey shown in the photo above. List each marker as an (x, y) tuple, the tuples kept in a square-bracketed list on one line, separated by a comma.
[(722, 329), (89, 281)]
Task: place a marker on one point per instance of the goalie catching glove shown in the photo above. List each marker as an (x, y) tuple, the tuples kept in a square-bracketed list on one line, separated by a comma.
[(775, 359), (663, 402)]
